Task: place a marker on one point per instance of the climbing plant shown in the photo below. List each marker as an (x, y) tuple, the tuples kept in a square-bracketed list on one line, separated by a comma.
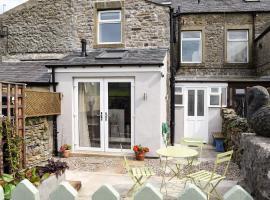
[(12, 146)]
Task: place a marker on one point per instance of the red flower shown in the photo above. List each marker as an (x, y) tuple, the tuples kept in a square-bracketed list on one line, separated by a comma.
[(140, 149), (136, 148)]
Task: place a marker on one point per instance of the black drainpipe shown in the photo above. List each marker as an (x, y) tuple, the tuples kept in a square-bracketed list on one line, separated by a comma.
[(55, 133), (172, 79), (174, 67)]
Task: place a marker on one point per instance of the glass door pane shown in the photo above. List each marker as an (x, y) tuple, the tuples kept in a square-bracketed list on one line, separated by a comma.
[(191, 102), (89, 116), (119, 115), (200, 103)]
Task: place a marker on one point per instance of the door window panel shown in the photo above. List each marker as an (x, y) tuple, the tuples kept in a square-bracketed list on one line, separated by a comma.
[(200, 103), (178, 96), (214, 100), (89, 114), (119, 116), (191, 102)]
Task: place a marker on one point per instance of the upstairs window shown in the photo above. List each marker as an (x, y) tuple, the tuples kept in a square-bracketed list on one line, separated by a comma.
[(109, 27), (237, 46), (191, 47)]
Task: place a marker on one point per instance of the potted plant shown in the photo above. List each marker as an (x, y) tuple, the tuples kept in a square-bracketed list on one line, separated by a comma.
[(65, 150), (139, 151)]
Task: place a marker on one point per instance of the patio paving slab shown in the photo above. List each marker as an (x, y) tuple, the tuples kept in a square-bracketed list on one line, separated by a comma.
[(91, 181)]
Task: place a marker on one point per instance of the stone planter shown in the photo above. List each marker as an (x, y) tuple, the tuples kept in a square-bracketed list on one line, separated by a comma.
[(49, 185)]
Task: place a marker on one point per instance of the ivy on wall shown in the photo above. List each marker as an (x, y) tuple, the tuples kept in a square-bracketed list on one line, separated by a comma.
[(12, 144)]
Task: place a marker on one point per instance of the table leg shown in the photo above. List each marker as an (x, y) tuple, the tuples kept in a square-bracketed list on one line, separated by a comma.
[(163, 183)]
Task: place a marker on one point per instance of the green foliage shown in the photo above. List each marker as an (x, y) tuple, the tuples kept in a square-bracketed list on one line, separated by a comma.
[(13, 146), (33, 176), (8, 183)]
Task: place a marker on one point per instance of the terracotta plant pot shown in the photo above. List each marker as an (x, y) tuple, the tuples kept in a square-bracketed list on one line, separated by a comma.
[(66, 154), (140, 156)]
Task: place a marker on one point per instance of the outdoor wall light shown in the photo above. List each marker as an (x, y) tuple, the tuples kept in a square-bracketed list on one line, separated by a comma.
[(145, 96), (3, 31)]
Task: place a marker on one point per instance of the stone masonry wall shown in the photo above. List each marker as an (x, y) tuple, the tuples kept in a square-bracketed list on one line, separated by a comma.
[(214, 28), (255, 165), (38, 138), (263, 55), (232, 127), (58, 26)]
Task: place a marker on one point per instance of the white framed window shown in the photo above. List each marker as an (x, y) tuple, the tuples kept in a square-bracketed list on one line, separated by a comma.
[(191, 46), (179, 96), (109, 27), (237, 46), (218, 97)]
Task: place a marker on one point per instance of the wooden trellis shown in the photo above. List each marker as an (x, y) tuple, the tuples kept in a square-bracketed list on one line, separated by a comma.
[(12, 106), (42, 103)]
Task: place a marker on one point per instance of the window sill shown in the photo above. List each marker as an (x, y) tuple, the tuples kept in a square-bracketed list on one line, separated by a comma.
[(192, 65), (240, 65), (120, 45)]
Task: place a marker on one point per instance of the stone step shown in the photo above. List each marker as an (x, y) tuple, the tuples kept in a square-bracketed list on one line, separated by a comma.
[(76, 184)]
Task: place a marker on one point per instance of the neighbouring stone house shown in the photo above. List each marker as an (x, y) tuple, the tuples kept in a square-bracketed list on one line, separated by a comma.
[(216, 60), (110, 60)]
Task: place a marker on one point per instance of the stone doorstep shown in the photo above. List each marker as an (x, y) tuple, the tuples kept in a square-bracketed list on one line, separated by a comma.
[(103, 154), (76, 185)]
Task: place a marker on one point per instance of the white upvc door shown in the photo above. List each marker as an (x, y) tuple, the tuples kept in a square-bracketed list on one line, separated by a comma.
[(196, 113), (89, 114), (119, 114), (104, 114)]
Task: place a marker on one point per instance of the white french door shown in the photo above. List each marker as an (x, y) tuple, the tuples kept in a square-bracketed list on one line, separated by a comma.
[(103, 114), (196, 113)]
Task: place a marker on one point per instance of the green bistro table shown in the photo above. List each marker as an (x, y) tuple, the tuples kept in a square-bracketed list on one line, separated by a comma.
[(176, 152)]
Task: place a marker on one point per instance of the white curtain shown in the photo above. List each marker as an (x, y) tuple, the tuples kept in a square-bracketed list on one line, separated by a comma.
[(83, 122)]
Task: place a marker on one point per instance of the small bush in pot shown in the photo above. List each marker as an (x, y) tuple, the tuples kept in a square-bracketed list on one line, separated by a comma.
[(140, 151)]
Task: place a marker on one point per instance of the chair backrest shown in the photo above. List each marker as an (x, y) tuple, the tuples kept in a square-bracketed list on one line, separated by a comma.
[(223, 158), (165, 133), (126, 165), (193, 142)]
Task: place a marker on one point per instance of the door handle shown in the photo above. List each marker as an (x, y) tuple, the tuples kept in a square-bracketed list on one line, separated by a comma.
[(101, 116), (106, 116)]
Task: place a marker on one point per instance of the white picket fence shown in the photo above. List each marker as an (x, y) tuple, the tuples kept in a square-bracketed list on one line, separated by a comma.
[(25, 190)]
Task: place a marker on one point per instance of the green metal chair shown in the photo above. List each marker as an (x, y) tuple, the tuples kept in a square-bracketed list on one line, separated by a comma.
[(165, 133), (196, 144), (139, 175), (208, 181), (188, 163)]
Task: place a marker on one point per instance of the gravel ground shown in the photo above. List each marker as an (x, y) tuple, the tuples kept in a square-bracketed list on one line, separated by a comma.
[(232, 174), (115, 164)]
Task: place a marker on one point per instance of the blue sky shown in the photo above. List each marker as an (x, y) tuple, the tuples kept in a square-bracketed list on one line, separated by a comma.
[(10, 4)]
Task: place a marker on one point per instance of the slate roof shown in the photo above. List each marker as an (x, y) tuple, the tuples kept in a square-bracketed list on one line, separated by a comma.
[(24, 72), (208, 6), (143, 57), (36, 71)]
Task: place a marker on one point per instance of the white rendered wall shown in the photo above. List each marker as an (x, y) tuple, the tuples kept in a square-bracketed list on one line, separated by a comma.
[(179, 123), (214, 122), (214, 117), (149, 112)]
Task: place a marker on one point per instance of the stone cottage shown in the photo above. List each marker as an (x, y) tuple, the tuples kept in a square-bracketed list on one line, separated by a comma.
[(112, 64), (109, 59)]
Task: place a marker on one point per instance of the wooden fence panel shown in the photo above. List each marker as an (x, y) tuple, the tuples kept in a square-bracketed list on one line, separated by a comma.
[(39, 103)]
